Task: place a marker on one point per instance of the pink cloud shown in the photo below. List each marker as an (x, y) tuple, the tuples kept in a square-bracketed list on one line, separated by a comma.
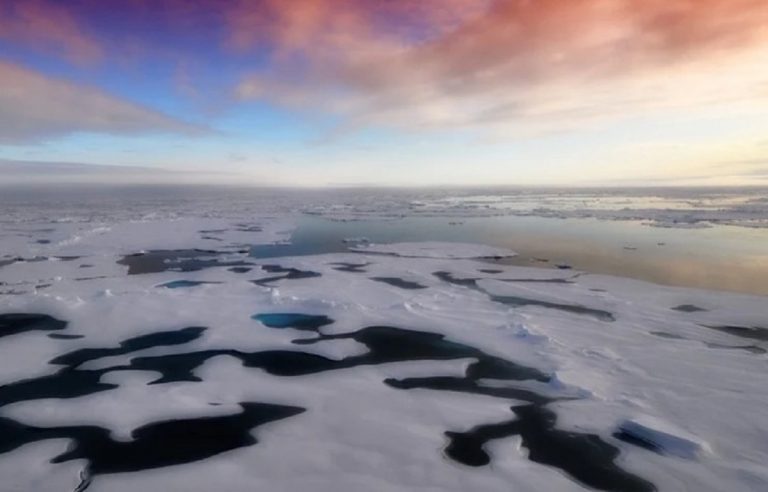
[(48, 26), (437, 63)]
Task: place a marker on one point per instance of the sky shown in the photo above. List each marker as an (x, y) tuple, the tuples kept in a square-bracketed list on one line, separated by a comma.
[(386, 92)]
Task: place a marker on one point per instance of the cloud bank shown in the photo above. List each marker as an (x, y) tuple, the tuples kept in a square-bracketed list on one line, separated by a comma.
[(492, 63), (25, 172), (608, 88), (35, 107)]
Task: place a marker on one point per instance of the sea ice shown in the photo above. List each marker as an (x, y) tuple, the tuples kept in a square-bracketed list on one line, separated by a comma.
[(429, 249), (518, 362)]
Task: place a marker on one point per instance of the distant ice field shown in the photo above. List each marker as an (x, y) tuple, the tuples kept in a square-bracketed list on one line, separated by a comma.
[(383, 340), (706, 238)]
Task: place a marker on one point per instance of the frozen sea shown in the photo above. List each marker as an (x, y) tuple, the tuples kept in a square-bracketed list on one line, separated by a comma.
[(201, 338)]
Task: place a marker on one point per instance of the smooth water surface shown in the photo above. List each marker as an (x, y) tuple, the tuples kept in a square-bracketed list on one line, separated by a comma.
[(720, 257)]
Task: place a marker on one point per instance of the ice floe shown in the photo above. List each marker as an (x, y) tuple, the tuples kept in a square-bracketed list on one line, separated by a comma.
[(410, 366)]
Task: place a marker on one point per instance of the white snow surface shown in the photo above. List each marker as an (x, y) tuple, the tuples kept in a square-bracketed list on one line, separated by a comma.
[(687, 395)]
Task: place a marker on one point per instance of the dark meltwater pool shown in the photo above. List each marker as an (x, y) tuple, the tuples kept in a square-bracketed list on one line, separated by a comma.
[(586, 458)]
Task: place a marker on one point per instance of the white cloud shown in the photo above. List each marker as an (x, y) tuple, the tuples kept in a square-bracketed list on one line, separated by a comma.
[(35, 107)]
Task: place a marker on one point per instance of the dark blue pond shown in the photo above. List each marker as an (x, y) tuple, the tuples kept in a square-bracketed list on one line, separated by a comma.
[(309, 322), (586, 458), (180, 284), (14, 323)]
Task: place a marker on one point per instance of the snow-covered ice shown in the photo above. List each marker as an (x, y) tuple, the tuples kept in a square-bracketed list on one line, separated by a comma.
[(312, 371)]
